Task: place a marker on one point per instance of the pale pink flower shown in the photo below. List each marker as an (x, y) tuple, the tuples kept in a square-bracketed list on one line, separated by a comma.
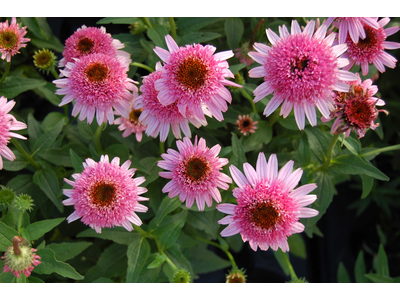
[(370, 50), (7, 123), (132, 124), (354, 27), (356, 110), (268, 208), (98, 83), (160, 118), (11, 39), (246, 124), (194, 172), (24, 263), (301, 69), (87, 40), (106, 195), (193, 76)]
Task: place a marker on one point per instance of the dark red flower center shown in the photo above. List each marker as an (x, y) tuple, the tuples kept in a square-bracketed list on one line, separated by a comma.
[(359, 113), (370, 40), (103, 194), (192, 73), (264, 215), (96, 72), (300, 64), (8, 39), (134, 115), (84, 45), (196, 168)]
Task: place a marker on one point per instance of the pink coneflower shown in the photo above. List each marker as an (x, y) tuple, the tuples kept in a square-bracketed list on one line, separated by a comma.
[(301, 69), (194, 76), (370, 50), (131, 124), (246, 124), (99, 83), (20, 259), (268, 208), (105, 195), (87, 40), (160, 118), (356, 110), (194, 172), (354, 27), (11, 38), (7, 123)]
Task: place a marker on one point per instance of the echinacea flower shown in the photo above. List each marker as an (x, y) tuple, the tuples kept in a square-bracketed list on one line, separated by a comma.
[(194, 76), (246, 124), (7, 123), (370, 50), (194, 172), (301, 69), (356, 110), (269, 207), (88, 40), (11, 39), (160, 118), (132, 124), (99, 83), (106, 195), (21, 260), (353, 27)]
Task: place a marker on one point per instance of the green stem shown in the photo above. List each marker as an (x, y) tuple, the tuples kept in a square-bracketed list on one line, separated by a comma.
[(53, 71), (248, 97), (97, 137), (231, 259), (142, 232), (136, 64), (162, 147), (173, 28), (377, 151), (147, 22), (330, 150), (289, 265), (7, 70), (275, 116), (21, 213), (25, 154)]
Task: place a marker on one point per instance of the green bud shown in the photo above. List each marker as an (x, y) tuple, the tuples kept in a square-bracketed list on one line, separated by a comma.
[(181, 276), (23, 202), (6, 197), (236, 276), (239, 80), (137, 27), (44, 60)]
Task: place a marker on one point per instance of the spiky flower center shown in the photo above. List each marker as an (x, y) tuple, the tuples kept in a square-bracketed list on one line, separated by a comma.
[(264, 215), (85, 45), (134, 115), (359, 112), (368, 48), (8, 39), (196, 168), (103, 194), (371, 39), (96, 72), (192, 73)]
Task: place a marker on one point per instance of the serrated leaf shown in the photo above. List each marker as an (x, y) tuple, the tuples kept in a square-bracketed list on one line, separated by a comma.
[(7, 234), (138, 251), (158, 261), (382, 265), (38, 229), (234, 29), (13, 86), (49, 264), (342, 275), (116, 234), (47, 180), (65, 251), (359, 268)]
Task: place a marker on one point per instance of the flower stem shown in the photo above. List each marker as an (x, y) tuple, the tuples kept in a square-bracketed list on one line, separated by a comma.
[(136, 64), (53, 71), (289, 265), (275, 116), (147, 22), (330, 150), (25, 154), (162, 147), (8, 65), (97, 137), (173, 28), (248, 97)]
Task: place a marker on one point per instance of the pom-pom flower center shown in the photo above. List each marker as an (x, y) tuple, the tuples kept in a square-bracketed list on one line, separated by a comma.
[(85, 45), (196, 169), (264, 215), (97, 72), (103, 194), (192, 73)]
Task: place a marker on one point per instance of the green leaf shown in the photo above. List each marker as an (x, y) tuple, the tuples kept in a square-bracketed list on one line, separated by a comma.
[(353, 145), (157, 35), (53, 43), (204, 260), (236, 68), (281, 261), (238, 153), (52, 119), (158, 261), (85, 130), (103, 280), (38, 229), (367, 184), (7, 277), (318, 141), (37, 26), (354, 165), (206, 220), (167, 206), (17, 164), (34, 129), (117, 20), (65, 251), (170, 228), (198, 37), (234, 30), (62, 156), (76, 161), (180, 261), (49, 264), (382, 265), (342, 275), (7, 234), (297, 246), (303, 152), (187, 25), (359, 268), (33, 279), (13, 86), (46, 179), (47, 92), (137, 253), (263, 135), (117, 234), (370, 153), (47, 139), (377, 278)]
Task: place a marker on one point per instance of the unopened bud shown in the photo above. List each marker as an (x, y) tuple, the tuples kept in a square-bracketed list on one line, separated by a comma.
[(236, 276), (181, 276)]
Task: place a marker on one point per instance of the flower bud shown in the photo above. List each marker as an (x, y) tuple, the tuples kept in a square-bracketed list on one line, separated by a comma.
[(44, 60), (23, 202), (181, 276), (236, 276), (137, 27), (6, 197)]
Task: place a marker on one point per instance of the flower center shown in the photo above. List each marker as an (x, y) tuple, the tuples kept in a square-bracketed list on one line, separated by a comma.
[(264, 215), (370, 39), (299, 64), (85, 45), (196, 168), (97, 72), (42, 59), (8, 39), (245, 124), (134, 115), (358, 112), (103, 194), (192, 73)]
